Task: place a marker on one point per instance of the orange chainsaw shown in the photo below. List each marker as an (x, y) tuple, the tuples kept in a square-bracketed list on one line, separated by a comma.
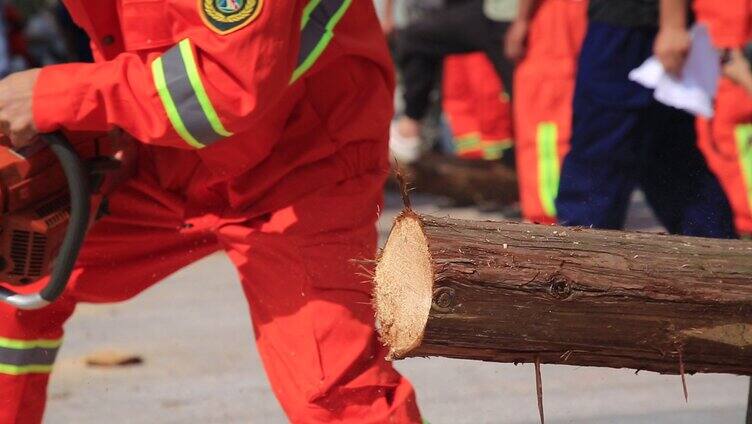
[(50, 193)]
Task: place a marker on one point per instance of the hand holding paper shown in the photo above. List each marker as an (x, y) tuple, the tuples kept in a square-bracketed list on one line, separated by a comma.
[(694, 90)]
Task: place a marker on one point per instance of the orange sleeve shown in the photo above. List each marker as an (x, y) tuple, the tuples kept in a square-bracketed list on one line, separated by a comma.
[(204, 88)]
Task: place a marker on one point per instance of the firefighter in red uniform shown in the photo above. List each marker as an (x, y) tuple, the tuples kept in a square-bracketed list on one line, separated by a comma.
[(263, 129), (726, 140)]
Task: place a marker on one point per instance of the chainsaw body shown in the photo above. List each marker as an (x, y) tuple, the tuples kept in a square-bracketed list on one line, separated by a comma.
[(35, 200)]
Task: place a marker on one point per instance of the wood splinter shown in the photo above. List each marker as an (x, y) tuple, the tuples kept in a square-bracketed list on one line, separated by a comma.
[(683, 377), (539, 389)]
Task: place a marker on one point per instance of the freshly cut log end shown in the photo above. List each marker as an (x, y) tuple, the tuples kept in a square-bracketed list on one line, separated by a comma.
[(404, 280)]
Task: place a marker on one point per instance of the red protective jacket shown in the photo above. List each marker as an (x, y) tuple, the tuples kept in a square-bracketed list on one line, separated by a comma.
[(246, 89), (265, 126)]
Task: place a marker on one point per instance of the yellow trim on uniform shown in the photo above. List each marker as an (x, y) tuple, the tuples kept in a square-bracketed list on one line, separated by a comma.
[(30, 344), (25, 369)]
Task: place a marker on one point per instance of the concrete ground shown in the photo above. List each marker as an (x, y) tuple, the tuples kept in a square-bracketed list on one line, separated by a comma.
[(200, 366)]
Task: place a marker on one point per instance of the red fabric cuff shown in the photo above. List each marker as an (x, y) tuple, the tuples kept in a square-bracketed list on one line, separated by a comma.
[(56, 96)]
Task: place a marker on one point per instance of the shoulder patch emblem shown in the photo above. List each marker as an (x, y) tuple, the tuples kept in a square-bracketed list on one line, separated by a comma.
[(226, 16)]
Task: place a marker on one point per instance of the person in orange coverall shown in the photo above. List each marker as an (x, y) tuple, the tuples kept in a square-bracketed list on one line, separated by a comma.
[(476, 106), (726, 139), (263, 129), (545, 39)]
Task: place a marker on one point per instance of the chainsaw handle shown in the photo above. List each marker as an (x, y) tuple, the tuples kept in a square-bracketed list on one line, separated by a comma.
[(80, 208)]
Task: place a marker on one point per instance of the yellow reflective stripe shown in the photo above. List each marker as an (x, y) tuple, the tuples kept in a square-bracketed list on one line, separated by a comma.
[(743, 135), (30, 344), (200, 91), (307, 12), (548, 166), (157, 70), (19, 356), (25, 369), (494, 149), (467, 142), (184, 97), (323, 37)]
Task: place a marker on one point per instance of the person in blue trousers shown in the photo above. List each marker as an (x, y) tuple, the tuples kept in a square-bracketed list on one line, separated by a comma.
[(623, 138)]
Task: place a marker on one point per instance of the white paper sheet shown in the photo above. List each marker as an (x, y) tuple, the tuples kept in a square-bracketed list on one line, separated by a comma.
[(695, 89)]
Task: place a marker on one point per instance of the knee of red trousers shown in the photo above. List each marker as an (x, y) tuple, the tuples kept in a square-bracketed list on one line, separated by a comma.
[(394, 402), (23, 387), (379, 394), (338, 373)]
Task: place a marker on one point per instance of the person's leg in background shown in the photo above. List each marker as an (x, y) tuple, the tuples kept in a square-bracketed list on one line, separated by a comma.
[(726, 142), (495, 110), (476, 107), (684, 194), (544, 85), (310, 300), (459, 106), (460, 27), (599, 171), (418, 61), (135, 246), (493, 47)]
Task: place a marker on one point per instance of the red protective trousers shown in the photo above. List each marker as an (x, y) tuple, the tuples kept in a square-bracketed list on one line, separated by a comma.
[(726, 139), (264, 132), (544, 87), (309, 303), (476, 106), (726, 142)]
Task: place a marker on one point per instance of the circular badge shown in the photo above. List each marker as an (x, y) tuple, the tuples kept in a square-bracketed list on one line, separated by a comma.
[(226, 16)]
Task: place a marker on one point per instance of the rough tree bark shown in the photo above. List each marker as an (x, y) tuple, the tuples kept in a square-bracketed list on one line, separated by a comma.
[(463, 181), (511, 292)]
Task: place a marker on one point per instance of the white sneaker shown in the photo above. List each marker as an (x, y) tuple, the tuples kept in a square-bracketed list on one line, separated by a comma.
[(405, 149)]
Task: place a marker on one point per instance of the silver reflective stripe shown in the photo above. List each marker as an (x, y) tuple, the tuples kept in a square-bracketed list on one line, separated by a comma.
[(309, 38), (25, 357), (185, 98), (319, 19)]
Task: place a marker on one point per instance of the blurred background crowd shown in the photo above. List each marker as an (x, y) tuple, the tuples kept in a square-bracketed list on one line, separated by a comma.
[(546, 86), (543, 86), (38, 33)]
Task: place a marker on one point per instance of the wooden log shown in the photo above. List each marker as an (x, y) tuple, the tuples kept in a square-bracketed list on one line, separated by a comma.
[(465, 182), (512, 292)]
